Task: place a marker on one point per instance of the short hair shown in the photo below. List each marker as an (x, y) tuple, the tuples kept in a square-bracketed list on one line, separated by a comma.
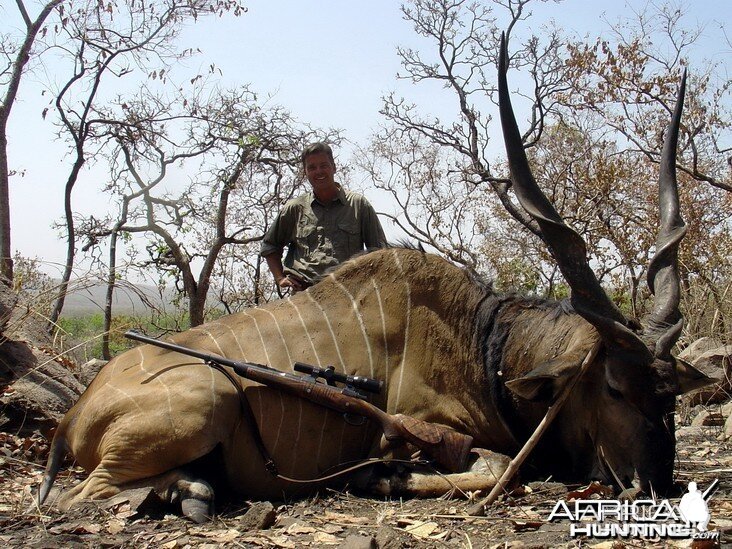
[(316, 148)]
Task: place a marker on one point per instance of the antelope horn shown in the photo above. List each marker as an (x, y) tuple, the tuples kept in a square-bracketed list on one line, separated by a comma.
[(566, 246), (665, 322)]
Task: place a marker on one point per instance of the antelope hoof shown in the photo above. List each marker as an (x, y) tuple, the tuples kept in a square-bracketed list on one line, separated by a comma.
[(197, 510), (196, 500)]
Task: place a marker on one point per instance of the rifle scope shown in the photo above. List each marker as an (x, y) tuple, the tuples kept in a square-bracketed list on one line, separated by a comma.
[(332, 377)]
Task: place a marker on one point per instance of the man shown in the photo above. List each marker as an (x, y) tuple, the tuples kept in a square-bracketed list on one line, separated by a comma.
[(321, 228)]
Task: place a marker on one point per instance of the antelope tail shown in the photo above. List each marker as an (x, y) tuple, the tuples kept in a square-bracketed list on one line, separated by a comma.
[(59, 448)]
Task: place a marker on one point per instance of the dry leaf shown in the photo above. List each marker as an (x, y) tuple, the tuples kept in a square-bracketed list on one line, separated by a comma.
[(297, 528), (593, 488), (223, 536), (325, 538), (115, 526), (422, 529), (283, 541), (329, 516), (526, 526), (262, 542)]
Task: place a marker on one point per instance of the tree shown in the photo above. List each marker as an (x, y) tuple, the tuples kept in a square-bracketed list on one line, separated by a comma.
[(627, 80), (629, 77), (16, 59), (595, 122), (108, 42), (465, 37), (436, 205), (229, 148)]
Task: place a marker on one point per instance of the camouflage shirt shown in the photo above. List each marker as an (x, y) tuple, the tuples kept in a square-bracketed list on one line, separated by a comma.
[(320, 236)]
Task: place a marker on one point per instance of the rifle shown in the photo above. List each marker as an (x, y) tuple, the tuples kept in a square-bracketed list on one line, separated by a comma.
[(447, 447)]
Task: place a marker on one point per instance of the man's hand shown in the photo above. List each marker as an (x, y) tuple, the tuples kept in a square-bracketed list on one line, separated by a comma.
[(288, 281), (283, 281)]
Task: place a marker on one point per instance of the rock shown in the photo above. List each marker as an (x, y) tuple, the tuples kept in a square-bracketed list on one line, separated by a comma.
[(140, 500), (717, 364), (707, 418), (358, 542), (727, 409), (89, 370), (39, 383), (727, 431), (688, 431), (260, 516), (699, 347), (391, 538)]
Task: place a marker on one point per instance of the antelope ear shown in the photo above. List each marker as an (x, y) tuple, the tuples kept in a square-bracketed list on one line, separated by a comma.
[(547, 380), (691, 378)]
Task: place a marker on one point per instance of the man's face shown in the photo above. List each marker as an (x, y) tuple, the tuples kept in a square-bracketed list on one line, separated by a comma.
[(320, 171)]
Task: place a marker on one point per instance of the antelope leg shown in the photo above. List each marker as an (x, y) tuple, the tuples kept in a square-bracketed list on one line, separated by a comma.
[(485, 468)]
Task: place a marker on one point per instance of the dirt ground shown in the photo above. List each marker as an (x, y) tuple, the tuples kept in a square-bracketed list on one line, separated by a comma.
[(337, 519)]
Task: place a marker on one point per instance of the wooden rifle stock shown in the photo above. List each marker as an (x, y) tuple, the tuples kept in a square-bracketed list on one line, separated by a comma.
[(447, 447)]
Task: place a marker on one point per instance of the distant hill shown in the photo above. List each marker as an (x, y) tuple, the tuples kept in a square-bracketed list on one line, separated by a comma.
[(129, 299)]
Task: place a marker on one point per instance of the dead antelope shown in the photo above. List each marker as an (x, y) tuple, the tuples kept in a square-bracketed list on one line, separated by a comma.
[(449, 350)]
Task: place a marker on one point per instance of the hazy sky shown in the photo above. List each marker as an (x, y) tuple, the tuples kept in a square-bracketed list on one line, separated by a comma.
[(328, 61)]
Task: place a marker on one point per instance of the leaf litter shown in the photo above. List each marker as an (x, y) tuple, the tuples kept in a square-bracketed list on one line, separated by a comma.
[(329, 519)]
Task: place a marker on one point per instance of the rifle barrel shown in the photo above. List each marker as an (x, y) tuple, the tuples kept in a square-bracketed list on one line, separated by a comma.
[(261, 373)]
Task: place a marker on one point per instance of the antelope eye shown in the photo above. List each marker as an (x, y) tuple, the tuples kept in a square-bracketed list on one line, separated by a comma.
[(614, 393)]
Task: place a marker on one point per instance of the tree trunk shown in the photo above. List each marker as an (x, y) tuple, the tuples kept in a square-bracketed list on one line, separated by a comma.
[(6, 256), (70, 244), (258, 281), (16, 73), (196, 306), (111, 279)]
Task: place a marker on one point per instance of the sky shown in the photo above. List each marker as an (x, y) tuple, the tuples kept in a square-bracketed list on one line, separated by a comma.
[(328, 61)]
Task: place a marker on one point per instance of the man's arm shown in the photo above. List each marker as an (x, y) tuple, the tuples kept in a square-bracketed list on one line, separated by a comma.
[(274, 262), (278, 235), (372, 231)]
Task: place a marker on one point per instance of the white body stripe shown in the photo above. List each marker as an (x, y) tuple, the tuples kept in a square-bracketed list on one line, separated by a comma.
[(261, 339), (330, 329), (406, 335), (158, 378), (211, 337), (354, 305), (282, 337), (279, 427), (383, 327), (322, 436), (293, 461), (211, 374), (125, 395), (307, 333), (236, 340)]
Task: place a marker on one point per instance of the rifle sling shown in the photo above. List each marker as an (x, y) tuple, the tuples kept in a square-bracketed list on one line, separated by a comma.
[(246, 410), (269, 463)]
